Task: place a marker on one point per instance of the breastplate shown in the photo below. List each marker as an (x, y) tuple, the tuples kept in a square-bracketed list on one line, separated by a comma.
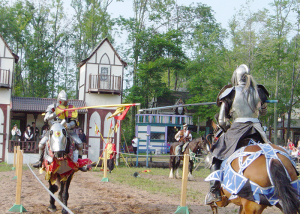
[(240, 107)]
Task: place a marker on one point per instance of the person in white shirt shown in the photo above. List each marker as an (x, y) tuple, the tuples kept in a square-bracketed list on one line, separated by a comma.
[(134, 144), (15, 133)]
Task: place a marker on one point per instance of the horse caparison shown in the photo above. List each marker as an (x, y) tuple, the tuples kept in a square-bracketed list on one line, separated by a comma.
[(194, 145), (257, 172)]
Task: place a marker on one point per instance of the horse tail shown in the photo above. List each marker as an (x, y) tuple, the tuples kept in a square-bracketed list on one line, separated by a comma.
[(283, 188)]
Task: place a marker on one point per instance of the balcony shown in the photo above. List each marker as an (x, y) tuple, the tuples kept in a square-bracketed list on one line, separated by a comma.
[(4, 78), (108, 84)]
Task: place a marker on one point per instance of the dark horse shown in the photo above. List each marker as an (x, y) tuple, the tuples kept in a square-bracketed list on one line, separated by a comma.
[(282, 173), (60, 164), (194, 146)]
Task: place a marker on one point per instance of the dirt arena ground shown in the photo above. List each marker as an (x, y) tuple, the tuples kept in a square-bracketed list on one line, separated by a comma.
[(89, 195)]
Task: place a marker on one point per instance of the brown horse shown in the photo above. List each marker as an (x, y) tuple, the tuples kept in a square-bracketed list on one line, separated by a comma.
[(59, 164), (257, 172), (195, 145)]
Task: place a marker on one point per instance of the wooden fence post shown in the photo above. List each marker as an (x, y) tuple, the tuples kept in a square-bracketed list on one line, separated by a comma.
[(16, 161), (105, 179), (15, 151), (182, 209), (17, 207)]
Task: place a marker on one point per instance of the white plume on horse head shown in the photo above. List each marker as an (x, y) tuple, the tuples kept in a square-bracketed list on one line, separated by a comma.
[(58, 138)]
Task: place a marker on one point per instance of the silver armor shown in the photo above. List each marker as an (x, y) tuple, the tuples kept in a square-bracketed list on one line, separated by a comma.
[(246, 104), (62, 99)]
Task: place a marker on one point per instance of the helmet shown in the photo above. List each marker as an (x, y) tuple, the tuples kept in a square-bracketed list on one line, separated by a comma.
[(238, 76), (62, 98)]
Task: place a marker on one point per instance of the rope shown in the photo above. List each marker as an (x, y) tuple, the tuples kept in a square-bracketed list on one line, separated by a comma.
[(56, 199)]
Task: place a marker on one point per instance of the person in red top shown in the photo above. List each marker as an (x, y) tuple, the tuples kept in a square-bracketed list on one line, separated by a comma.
[(111, 154), (290, 146)]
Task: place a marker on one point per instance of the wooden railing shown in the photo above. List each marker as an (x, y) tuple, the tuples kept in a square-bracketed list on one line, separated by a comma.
[(4, 78), (105, 84)]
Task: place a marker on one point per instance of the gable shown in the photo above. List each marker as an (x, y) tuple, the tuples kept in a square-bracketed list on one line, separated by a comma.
[(5, 51), (106, 50)]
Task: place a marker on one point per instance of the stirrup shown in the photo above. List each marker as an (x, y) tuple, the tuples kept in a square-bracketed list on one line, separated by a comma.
[(212, 198)]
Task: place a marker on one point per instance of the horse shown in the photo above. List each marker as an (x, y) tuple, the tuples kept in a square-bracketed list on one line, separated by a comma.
[(265, 175), (60, 163), (195, 145)]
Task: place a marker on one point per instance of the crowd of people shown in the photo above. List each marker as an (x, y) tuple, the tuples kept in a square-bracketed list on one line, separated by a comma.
[(32, 133)]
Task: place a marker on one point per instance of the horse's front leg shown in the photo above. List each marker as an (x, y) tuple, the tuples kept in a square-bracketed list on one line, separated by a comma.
[(65, 192), (171, 166), (190, 176), (53, 189)]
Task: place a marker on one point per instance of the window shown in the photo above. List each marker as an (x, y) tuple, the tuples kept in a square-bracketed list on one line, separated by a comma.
[(104, 73), (157, 136)]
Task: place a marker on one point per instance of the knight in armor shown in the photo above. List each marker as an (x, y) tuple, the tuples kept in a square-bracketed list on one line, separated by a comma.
[(183, 136), (71, 120), (242, 103)]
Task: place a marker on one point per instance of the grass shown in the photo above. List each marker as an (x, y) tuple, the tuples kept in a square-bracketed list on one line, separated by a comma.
[(155, 181), (4, 167)]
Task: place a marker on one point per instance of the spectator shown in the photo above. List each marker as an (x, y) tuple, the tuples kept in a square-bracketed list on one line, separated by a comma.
[(111, 153), (134, 144), (15, 133), (28, 136), (45, 127), (290, 146), (82, 136), (35, 130), (294, 154)]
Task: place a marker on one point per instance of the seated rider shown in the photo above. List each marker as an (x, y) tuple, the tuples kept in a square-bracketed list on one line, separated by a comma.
[(183, 136), (62, 102), (242, 102)]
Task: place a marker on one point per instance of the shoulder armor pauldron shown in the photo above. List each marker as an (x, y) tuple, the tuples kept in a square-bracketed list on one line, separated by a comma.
[(225, 91), (264, 89)]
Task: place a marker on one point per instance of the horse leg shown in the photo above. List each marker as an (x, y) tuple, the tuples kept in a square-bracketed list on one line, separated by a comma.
[(214, 208), (65, 195), (53, 188), (171, 166), (176, 168), (251, 207), (190, 176)]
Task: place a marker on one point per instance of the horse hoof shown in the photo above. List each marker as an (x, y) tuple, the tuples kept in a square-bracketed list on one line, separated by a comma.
[(52, 209), (64, 211)]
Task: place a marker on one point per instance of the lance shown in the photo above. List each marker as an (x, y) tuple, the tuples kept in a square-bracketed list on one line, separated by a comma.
[(193, 104), (100, 106), (103, 106)]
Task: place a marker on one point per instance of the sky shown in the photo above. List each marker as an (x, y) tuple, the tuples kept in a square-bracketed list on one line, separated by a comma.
[(224, 9)]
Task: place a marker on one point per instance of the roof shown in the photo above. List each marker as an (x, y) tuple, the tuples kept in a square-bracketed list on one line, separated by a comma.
[(96, 48), (14, 55), (34, 104)]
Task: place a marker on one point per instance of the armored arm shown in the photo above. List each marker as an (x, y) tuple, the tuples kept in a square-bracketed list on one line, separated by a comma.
[(50, 113)]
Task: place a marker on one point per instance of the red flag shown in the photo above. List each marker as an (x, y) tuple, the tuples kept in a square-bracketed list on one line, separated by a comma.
[(122, 116), (111, 124)]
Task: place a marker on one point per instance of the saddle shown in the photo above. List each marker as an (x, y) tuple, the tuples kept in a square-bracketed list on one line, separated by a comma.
[(183, 148)]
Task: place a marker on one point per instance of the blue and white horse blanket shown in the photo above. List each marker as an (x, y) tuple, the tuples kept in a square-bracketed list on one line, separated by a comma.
[(238, 185)]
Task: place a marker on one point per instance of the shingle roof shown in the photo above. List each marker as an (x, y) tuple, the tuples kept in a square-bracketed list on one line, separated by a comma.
[(34, 104)]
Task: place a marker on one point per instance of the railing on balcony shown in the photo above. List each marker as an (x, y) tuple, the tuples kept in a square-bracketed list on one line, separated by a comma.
[(105, 84), (163, 119), (4, 78)]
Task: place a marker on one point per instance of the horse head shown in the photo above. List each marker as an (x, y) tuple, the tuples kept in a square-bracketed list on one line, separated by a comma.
[(58, 140), (200, 146)]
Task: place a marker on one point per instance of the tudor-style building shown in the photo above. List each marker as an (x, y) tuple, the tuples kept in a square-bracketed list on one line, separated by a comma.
[(100, 83), (7, 63)]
